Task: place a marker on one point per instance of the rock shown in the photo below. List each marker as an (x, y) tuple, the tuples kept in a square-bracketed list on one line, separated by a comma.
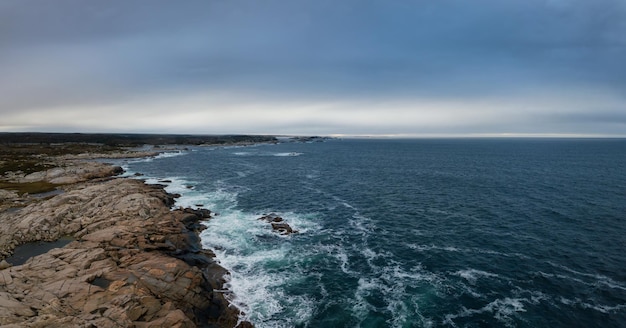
[(272, 217), (283, 228), (8, 194), (245, 324), (200, 212), (278, 224), (71, 172), (4, 265), (134, 261)]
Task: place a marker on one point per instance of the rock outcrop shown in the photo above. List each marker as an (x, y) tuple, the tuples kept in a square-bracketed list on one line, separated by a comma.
[(71, 173), (133, 261), (278, 224)]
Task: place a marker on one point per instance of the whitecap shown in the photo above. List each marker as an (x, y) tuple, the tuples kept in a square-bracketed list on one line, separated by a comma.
[(503, 309), (603, 308), (472, 275), (599, 279), (287, 154), (165, 154), (424, 248), (258, 278)]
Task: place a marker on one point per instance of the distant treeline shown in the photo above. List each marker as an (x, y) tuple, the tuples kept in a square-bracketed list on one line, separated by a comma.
[(130, 139)]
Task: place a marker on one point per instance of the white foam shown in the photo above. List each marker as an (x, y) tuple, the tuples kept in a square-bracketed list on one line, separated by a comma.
[(603, 308), (503, 310), (598, 278), (391, 283), (265, 154), (472, 275), (286, 154), (337, 252), (258, 268), (361, 306), (166, 154), (425, 248), (169, 154), (126, 162)]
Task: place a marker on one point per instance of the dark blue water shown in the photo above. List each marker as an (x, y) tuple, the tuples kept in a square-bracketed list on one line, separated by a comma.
[(416, 233)]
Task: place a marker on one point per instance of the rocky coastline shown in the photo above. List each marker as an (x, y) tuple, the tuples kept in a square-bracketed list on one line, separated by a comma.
[(131, 261)]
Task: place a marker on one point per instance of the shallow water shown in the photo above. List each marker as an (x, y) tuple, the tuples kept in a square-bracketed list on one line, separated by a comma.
[(415, 233), (22, 253)]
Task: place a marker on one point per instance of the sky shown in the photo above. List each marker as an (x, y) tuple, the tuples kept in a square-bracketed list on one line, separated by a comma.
[(322, 67)]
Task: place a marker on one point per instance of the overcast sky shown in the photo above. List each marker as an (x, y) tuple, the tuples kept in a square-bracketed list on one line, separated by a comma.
[(354, 67)]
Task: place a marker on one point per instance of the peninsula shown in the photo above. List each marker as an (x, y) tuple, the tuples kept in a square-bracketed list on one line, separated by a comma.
[(81, 247)]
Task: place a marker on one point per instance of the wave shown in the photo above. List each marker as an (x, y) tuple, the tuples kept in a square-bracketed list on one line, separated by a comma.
[(262, 264), (425, 248), (503, 310), (126, 163), (472, 275), (257, 153), (599, 279), (286, 154), (166, 154), (603, 308)]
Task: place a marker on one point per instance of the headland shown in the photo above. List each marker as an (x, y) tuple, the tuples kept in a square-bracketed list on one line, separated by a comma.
[(128, 259)]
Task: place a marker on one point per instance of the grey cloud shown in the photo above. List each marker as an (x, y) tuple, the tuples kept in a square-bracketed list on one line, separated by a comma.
[(77, 53)]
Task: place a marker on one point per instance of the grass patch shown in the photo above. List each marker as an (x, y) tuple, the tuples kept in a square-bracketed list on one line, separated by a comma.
[(30, 158), (24, 165), (29, 187)]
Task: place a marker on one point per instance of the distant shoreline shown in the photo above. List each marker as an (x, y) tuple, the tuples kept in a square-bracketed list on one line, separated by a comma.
[(130, 139)]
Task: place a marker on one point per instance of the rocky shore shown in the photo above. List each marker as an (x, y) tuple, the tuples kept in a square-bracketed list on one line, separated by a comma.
[(131, 262)]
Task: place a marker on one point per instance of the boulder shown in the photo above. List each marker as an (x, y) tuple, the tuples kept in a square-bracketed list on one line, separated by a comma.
[(283, 228), (272, 217), (278, 224)]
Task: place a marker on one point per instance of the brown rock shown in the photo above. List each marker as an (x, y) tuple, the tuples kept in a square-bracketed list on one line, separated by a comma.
[(4, 265), (134, 262)]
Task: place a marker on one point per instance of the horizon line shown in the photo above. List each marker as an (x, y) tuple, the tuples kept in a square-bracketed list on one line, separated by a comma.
[(365, 136)]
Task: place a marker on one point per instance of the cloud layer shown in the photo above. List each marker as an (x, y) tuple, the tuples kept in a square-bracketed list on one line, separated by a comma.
[(405, 67)]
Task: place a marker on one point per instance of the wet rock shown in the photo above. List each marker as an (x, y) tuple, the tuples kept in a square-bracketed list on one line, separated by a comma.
[(200, 212), (278, 224), (272, 217), (283, 228)]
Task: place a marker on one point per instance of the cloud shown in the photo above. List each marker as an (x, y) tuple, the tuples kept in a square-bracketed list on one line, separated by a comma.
[(334, 67)]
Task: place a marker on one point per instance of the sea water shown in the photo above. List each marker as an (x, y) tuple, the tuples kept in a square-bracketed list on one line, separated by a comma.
[(414, 233)]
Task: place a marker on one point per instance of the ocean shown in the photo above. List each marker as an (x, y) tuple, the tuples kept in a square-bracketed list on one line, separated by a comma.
[(414, 233)]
